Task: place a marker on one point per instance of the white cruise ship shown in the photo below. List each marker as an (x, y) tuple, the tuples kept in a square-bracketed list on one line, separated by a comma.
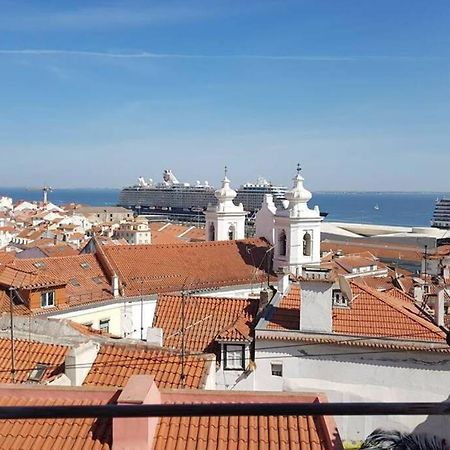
[(441, 215), (174, 198)]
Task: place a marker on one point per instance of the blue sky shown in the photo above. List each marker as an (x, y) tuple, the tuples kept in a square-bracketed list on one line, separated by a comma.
[(98, 93)]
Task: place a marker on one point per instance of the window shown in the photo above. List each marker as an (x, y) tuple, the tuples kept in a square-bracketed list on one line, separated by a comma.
[(282, 243), (212, 232), (277, 369), (104, 325), (85, 265), (338, 298), (234, 357), (39, 265), (37, 374), (231, 233), (74, 282), (47, 299), (307, 244)]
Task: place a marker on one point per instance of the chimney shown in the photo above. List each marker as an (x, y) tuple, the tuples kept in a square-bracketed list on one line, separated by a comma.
[(316, 307), (283, 281), (418, 293), (439, 308), (264, 298), (155, 336), (136, 432), (115, 285), (79, 360)]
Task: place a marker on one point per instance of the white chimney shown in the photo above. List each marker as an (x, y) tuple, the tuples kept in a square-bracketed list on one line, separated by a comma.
[(316, 307), (155, 336), (79, 360), (283, 281), (115, 285), (418, 293), (439, 310)]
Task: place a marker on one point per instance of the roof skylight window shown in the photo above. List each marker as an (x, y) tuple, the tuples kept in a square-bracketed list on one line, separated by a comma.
[(85, 265), (39, 265), (38, 373)]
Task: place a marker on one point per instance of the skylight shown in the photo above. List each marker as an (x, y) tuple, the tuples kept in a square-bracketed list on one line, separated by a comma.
[(85, 265), (39, 264), (97, 280), (37, 373)]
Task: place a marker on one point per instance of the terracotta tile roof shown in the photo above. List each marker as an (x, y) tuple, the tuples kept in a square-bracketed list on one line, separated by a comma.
[(372, 313), (27, 355), (115, 364), (6, 258), (379, 283), (58, 250), (205, 319), (168, 233), (400, 295), (18, 307), (348, 263), (383, 251), (254, 432), (87, 434), (11, 276), (168, 268), (82, 274)]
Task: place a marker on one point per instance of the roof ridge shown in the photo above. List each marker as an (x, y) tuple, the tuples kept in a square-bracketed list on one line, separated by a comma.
[(393, 303), (143, 346), (184, 244)]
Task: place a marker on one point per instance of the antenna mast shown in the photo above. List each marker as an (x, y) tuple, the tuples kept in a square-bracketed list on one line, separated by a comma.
[(13, 350)]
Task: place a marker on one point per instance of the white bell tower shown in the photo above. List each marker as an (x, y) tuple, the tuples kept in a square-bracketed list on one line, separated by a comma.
[(225, 221), (297, 230)]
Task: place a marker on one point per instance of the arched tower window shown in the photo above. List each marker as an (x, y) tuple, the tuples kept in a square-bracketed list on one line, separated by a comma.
[(282, 243), (231, 233), (307, 244), (212, 232)]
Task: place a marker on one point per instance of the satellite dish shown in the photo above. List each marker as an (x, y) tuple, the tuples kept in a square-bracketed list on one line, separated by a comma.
[(345, 288), (127, 325)]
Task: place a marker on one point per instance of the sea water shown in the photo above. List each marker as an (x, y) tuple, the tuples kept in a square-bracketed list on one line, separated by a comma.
[(384, 208)]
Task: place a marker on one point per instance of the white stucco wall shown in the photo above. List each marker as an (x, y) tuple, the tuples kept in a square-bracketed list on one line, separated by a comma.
[(363, 375), (124, 316)]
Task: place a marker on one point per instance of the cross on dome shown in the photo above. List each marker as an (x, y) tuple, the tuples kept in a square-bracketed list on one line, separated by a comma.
[(298, 194), (226, 193)]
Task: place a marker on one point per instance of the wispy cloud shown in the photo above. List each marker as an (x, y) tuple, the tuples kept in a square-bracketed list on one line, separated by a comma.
[(151, 55)]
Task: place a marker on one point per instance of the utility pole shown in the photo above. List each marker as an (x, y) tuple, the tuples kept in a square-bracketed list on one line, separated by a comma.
[(183, 375)]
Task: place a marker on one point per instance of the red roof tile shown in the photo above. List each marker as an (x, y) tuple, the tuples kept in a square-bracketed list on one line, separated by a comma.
[(87, 434), (82, 274), (173, 267), (205, 319), (371, 313), (382, 251), (115, 364), (27, 354), (253, 432)]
